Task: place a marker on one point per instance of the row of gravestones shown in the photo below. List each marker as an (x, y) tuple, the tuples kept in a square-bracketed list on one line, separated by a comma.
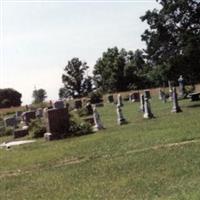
[(145, 107), (57, 117), (133, 97)]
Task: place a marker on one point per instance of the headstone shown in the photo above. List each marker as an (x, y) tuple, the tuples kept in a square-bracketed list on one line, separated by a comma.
[(194, 96), (77, 104), (147, 109), (134, 97), (162, 96), (24, 127), (57, 122), (147, 94), (18, 113), (27, 108), (110, 98), (39, 112), (89, 108), (170, 90), (176, 108), (58, 104), (126, 97), (20, 133), (97, 120), (119, 100), (120, 118), (141, 102), (181, 86), (48, 136), (28, 116), (10, 122)]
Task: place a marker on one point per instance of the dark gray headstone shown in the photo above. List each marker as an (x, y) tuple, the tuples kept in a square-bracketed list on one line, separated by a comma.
[(134, 97), (57, 122), (20, 133), (58, 104), (176, 108), (28, 116), (110, 98), (10, 121)]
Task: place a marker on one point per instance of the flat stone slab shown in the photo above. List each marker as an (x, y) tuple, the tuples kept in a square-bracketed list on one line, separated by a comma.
[(15, 143)]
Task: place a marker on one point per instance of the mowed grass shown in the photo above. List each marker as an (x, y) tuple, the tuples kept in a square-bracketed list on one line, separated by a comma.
[(133, 161)]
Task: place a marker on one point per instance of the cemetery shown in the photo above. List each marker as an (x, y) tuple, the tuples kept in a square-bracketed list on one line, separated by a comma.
[(100, 100), (147, 142)]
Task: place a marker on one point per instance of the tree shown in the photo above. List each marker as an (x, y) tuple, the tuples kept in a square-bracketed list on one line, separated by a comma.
[(173, 40), (9, 97), (39, 95), (120, 70), (76, 82), (108, 70)]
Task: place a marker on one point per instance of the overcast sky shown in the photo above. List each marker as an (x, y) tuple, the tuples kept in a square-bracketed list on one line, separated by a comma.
[(38, 38)]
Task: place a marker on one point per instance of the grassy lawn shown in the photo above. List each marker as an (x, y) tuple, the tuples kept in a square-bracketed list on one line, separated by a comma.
[(135, 161)]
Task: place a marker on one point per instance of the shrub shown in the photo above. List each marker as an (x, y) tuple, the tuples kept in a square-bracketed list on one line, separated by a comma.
[(36, 128), (78, 127), (8, 131), (189, 89)]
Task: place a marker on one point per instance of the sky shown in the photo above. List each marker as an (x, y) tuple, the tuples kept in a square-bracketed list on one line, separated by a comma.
[(38, 38)]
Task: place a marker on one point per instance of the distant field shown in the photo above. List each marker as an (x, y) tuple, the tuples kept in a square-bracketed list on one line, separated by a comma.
[(145, 159)]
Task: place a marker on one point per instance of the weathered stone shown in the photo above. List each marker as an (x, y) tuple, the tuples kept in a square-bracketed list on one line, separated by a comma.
[(20, 133), (181, 86), (57, 122), (147, 94), (10, 121), (89, 108), (48, 136), (141, 102), (58, 104), (162, 95), (120, 118), (194, 96), (18, 113), (39, 112), (176, 108), (110, 98), (28, 116), (170, 90), (147, 109), (119, 100), (97, 120), (134, 97)]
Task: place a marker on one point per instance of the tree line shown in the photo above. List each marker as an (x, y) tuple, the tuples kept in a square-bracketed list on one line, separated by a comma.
[(172, 49)]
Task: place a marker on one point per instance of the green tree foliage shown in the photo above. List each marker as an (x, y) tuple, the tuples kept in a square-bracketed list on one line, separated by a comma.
[(120, 70), (9, 97), (173, 40), (39, 95), (76, 82)]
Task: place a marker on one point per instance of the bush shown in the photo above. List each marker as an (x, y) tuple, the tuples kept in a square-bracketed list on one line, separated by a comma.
[(78, 127), (8, 131), (95, 97), (189, 89), (36, 128)]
